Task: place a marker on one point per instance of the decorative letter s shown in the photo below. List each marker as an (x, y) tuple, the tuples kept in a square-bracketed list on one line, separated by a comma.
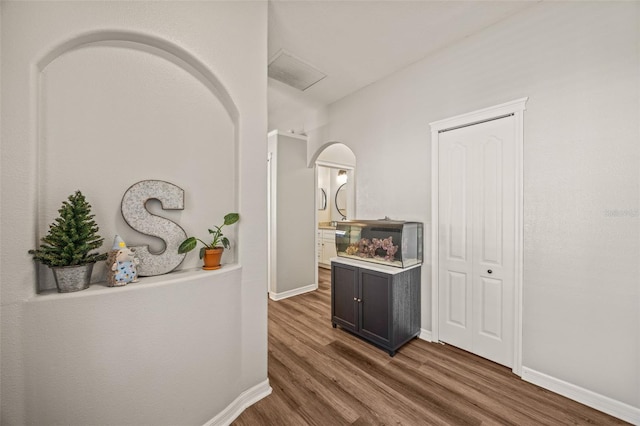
[(138, 217)]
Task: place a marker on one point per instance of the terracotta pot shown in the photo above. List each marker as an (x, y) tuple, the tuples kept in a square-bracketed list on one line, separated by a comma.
[(212, 257)]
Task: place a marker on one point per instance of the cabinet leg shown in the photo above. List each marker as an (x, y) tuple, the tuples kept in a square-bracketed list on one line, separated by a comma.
[(334, 325), (392, 353)]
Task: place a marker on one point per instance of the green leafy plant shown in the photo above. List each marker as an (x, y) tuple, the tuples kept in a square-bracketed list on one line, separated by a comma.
[(217, 237), (72, 236)]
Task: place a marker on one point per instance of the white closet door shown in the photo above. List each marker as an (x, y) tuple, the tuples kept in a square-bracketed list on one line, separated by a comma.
[(477, 238), (456, 238)]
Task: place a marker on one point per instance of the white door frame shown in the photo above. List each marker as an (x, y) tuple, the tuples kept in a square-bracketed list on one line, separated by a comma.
[(515, 108)]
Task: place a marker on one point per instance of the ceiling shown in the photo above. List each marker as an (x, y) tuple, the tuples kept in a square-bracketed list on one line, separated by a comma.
[(359, 42)]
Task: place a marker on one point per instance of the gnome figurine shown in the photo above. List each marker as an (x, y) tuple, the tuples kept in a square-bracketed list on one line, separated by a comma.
[(123, 264)]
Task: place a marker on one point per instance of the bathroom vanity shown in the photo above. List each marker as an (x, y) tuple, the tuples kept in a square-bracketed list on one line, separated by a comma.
[(326, 245)]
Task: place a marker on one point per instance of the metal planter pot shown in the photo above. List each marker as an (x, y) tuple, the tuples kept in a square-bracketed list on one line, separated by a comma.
[(72, 278)]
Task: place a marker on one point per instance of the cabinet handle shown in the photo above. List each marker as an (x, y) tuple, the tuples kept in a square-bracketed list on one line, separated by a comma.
[(489, 271), (359, 300), (355, 299)]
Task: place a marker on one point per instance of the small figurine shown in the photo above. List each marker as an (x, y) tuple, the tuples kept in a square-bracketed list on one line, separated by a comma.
[(123, 264)]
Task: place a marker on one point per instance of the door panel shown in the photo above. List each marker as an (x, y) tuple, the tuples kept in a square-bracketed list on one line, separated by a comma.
[(491, 308), (491, 201), (344, 286), (477, 212), (457, 200), (494, 237), (455, 249), (374, 306), (456, 289)]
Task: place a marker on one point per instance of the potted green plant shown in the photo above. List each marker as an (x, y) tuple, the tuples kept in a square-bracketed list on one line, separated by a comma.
[(211, 252), (66, 249)]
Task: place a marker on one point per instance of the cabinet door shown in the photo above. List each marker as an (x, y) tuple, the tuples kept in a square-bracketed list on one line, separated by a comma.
[(344, 288), (375, 315), (329, 240)]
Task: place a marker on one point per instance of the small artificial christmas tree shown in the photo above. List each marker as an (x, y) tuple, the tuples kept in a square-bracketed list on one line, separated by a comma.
[(73, 235)]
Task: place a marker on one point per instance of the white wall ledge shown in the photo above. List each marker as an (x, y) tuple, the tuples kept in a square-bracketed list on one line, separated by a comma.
[(144, 283)]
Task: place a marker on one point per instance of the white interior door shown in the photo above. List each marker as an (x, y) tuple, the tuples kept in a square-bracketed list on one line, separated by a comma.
[(477, 236)]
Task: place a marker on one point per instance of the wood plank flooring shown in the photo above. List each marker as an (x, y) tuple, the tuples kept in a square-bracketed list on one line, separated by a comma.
[(325, 376)]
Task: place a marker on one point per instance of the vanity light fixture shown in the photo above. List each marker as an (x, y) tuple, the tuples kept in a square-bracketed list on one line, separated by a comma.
[(342, 177)]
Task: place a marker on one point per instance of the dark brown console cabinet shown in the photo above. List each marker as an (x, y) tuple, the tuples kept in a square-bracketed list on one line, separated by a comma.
[(381, 307)]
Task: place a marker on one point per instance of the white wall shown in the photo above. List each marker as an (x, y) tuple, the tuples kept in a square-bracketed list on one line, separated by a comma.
[(97, 96), (579, 65), (293, 219)]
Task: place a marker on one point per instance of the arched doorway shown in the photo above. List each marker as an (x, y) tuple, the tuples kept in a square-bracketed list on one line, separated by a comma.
[(335, 166)]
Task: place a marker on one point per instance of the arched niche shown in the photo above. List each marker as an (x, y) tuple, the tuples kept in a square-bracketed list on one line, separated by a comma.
[(115, 108)]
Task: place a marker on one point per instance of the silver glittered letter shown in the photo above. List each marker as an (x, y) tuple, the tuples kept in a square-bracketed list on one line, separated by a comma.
[(138, 217)]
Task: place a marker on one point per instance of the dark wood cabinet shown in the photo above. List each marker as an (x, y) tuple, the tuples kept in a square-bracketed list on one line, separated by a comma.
[(381, 305)]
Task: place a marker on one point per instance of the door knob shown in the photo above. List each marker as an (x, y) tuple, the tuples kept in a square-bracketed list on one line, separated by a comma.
[(489, 271)]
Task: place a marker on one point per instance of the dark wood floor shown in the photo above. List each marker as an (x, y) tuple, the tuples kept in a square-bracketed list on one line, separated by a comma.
[(325, 376)]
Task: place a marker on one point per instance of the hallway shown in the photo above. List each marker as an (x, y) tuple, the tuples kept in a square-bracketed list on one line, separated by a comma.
[(324, 376)]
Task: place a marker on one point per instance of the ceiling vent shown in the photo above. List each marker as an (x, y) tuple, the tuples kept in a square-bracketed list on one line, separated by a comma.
[(292, 71)]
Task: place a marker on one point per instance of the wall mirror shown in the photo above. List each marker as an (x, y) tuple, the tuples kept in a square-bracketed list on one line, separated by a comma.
[(322, 199), (341, 200)]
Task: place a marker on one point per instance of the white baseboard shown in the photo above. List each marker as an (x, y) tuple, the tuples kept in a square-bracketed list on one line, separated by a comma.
[(294, 292), (602, 403), (242, 402), (425, 335)]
